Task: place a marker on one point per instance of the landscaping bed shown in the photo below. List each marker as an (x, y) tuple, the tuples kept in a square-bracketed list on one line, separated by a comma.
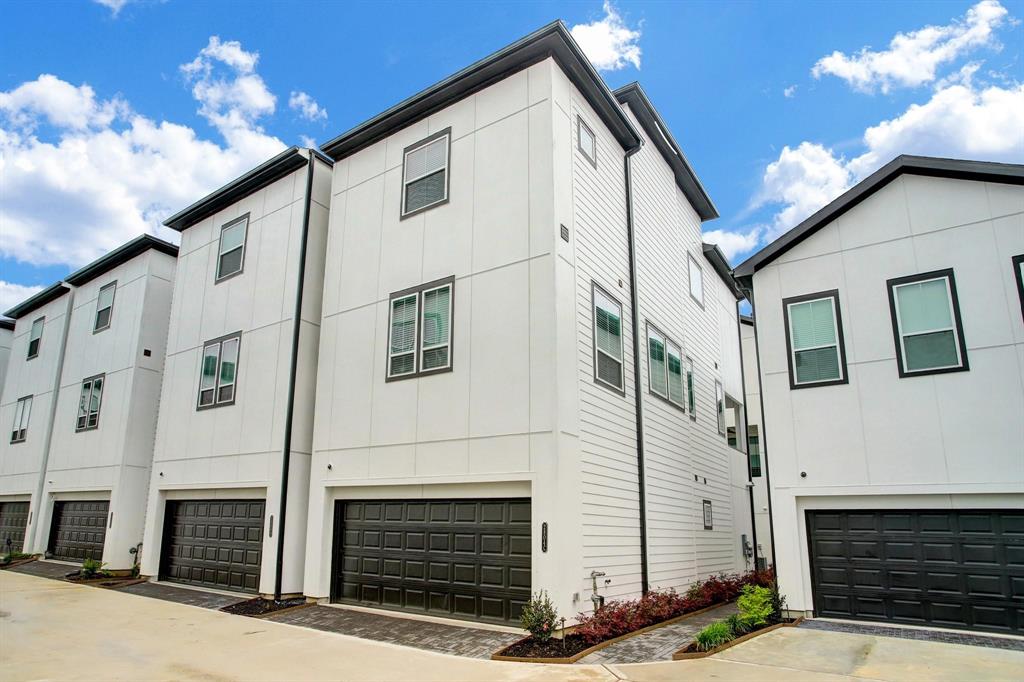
[(760, 611), (109, 580), (693, 650), (259, 607), (16, 559)]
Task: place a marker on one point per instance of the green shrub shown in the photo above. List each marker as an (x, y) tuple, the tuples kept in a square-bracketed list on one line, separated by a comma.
[(737, 624), (716, 634), (90, 568), (755, 605), (778, 607), (539, 616)]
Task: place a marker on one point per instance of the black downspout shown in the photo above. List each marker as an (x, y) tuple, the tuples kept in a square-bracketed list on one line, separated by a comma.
[(746, 436), (290, 410), (644, 585)]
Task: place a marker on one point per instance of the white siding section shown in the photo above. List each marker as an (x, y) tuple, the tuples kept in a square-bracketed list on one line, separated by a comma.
[(6, 339)]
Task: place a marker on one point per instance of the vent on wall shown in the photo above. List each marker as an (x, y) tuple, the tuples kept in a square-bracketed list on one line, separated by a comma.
[(565, 233)]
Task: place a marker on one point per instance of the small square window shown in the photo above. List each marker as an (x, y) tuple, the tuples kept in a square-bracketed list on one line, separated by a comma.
[(22, 411), (709, 521), (928, 333), (35, 338), (607, 339), (231, 250), (104, 307), (586, 141), (218, 372), (696, 281), (89, 404), (420, 330), (425, 173), (814, 339)]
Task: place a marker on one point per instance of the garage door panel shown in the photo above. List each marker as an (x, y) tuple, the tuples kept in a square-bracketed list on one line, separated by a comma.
[(13, 521), (464, 558), (951, 568), (78, 529), (213, 543)]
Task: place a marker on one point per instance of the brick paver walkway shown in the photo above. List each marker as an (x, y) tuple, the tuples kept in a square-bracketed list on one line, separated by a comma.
[(658, 644), (181, 595), (44, 569), (947, 636)]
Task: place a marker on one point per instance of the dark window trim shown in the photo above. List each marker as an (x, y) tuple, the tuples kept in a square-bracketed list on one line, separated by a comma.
[(692, 409), (841, 340), (218, 278), (594, 288), (691, 261), (1017, 261), (580, 124), (720, 408), (29, 354), (99, 408), (958, 325), (418, 292), (650, 389), (402, 213), (220, 356), (110, 320), (708, 511), (25, 430), (755, 472)]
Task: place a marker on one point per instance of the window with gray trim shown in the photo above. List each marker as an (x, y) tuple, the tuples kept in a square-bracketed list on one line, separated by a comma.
[(607, 322), (104, 307), (586, 141), (425, 173), (816, 352), (22, 410), (664, 367), (218, 373), (927, 330), (35, 337), (420, 330), (89, 403), (231, 248), (691, 389), (696, 280)]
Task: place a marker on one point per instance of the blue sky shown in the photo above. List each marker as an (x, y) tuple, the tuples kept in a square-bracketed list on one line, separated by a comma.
[(115, 114)]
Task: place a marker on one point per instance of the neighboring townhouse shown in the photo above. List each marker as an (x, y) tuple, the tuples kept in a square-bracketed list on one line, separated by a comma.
[(505, 248), (234, 436), (26, 410), (890, 331), (6, 339), (84, 389), (758, 470)]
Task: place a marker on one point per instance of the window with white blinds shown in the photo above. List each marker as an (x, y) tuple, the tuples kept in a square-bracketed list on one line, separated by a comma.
[(219, 370), (104, 307), (425, 173), (231, 249), (607, 339), (89, 404), (420, 330), (664, 366), (22, 411), (926, 324), (814, 337)]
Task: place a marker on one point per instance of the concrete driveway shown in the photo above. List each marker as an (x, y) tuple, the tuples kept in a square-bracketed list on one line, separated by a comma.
[(60, 631)]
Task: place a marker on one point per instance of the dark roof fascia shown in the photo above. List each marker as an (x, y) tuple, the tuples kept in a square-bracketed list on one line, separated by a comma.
[(259, 177), (721, 266), (50, 293), (552, 40), (658, 132), (120, 256), (6, 324), (959, 169)]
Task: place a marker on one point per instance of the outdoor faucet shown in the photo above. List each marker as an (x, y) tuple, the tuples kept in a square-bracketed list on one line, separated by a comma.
[(596, 598)]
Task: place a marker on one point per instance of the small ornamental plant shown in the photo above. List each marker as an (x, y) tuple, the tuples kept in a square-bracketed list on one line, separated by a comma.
[(756, 607), (539, 616), (714, 635), (90, 568)]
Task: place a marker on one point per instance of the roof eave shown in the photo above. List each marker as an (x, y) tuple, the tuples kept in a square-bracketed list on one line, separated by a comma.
[(119, 256), (50, 293), (719, 262)]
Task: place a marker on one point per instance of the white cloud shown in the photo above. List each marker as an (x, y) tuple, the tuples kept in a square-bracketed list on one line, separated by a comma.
[(913, 58), (733, 244), (789, 92), (104, 174), (609, 43), (306, 106), (13, 294), (803, 179), (115, 6)]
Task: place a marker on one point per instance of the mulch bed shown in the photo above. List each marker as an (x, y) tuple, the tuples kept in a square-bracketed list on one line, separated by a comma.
[(109, 581), (691, 651), (18, 562), (552, 648), (259, 607)]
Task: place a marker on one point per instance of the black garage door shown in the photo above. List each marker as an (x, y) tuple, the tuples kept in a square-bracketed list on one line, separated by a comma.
[(78, 529), (956, 569), (215, 543), (13, 519), (466, 558)]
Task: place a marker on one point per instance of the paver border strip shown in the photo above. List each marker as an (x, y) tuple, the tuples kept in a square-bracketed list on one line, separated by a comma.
[(684, 655), (269, 614), (600, 645)]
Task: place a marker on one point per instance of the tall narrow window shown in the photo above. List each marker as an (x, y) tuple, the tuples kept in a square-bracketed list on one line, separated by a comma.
[(664, 367), (104, 307), (425, 173), (817, 354), (691, 396), (35, 337), (1018, 274), (709, 521), (218, 374), (89, 404), (720, 406), (696, 281), (675, 373), (231, 252), (929, 335), (586, 141), (754, 448), (607, 339), (420, 330), (22, 410)]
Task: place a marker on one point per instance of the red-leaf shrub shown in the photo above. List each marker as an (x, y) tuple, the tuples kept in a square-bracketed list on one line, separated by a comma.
[(623, 616)]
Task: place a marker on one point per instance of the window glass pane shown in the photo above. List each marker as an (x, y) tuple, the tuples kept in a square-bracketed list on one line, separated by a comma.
[(435, 316), (102, 318), (923, 306), (402, 364), (587, 141), (230, 263), (106, 297), (435, 357), (97, 391), (403, 324), (26, 412), (18, 410), (656, 357), (208, 377), (690, 397), (225, 393), (206, 397), (696, 281), (426, 159), (232, 237), (425, 191), (929, 351), (720, 407), (821, 364), (675, 374), (609, 370), (228, 361), (37, 329), (608, 322), (83, 404), (812, 323)]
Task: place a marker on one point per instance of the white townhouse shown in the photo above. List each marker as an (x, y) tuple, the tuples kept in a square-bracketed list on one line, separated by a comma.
[(6, 339), (82, 400), (758, 472), (227, 499), (890, 334), (505, 249)]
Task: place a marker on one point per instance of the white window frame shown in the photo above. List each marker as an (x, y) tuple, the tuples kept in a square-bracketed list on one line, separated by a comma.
[(218, 343), (445, 135), (110, 318), (709, 515), (418, 293), (956, 326), (667, 344), (700, 278), (595, 288), (837, 332), (22, 412), (91, 417), (590, 156), (244, 220), (41, 321)]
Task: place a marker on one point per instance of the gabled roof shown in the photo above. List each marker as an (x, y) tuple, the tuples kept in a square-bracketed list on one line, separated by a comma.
[(119, 256), (553, 41), (984, 171), (721, 266), (50, 293), (289, 160), (657, 131)]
